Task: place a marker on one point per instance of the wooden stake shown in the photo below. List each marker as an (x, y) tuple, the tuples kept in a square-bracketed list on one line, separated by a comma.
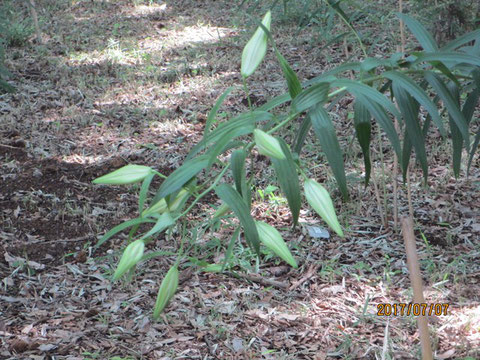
[(416, 280)]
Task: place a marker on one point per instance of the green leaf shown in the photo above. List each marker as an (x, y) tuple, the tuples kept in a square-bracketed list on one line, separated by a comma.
[(276, 101), (323, 127), (256, 48), (122, 227), (363, 129), (231, 243), (233, 199), (301, 135), (462, 40), (419, 94), (384, 121), (315, 94), (320, 200), (457, 140), (409, 109), (450, 104), (423, 36), (164, 221), (358, 88), (328, 76), (181, 176), (272, 239), (294, 86), (449, 57), (243, 124), (127, 174), (237, 161), (288, 179), (144, 191), (168, 287), (213, 112)]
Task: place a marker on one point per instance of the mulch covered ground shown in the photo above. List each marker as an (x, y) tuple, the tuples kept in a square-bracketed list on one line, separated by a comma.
[(119, 83)]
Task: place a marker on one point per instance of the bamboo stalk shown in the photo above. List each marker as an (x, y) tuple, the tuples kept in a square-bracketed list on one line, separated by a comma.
[(35, 21)]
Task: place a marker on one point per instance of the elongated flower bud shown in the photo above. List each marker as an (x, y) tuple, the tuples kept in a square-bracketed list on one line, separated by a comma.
[(130, 257), (320, 200), (128, 174), (272, 239), (256, 48), (267, 145), (167, 290)]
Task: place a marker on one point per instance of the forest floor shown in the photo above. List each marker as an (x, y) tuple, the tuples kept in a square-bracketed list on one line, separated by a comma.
[(117, 82)]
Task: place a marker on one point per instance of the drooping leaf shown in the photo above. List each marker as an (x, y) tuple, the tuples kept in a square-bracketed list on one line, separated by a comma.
[(419, 94), (409, 109), (272, 239), (449, 57), (452, 107), (329, 76), (384, 121), (423, 36), (315, 94), (256, 48), (325, 132), (242, 211), (288, 179), (357, 88), (237, 161), (457, 140), (294, 86), (228, 253), (276, 101), (363, 129)]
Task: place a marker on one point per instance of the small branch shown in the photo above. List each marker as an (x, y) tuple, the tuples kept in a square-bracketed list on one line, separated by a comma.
[(258, 279), (312, 270)]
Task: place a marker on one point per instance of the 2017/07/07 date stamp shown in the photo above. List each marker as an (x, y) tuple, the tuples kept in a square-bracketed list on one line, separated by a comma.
[(415, 309)]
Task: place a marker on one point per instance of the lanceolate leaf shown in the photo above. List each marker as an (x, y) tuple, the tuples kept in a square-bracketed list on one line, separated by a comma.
[(409, 108), (256, 48), (368, 92), (233, 199), (363, 129), (238, 172), (315, 94), (214, 110), (423, 36), (449, 57), (329, 75), (294, 86), (419, 94), (168, 287), (457, 140), (228, 253), (276, 101), (164, 221), (468, 109), (325, 132), (181, 176), (272, 239), (462, 40), (241, 125), (384, 121), (450, 104), (144, 192), (127, 174), (288, 180), (122, 227)]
